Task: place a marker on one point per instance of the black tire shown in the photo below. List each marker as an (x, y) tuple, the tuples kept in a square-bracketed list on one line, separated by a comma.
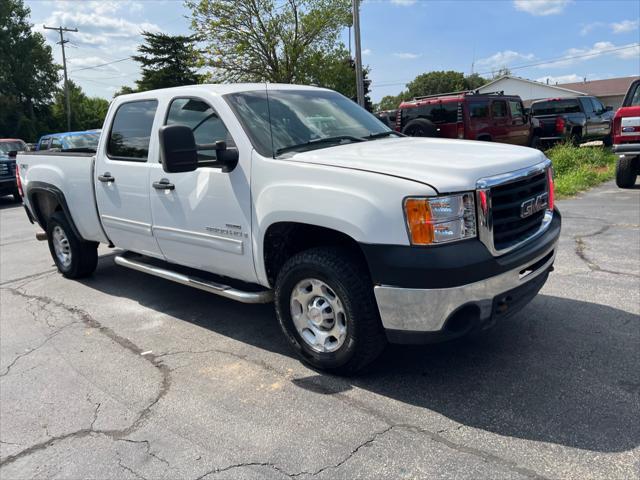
[(17, 198), (420, 127), (607, 141), (365, 338), (627, 171), (576, 138), (84, 255)]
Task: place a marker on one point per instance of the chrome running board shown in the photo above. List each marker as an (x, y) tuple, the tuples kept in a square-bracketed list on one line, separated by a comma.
[(264, 296)]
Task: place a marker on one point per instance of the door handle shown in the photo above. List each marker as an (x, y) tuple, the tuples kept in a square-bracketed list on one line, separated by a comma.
[(164, 184), (106, 178)]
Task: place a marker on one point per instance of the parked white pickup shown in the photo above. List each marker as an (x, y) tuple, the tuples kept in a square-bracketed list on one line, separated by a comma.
[(295, 194)]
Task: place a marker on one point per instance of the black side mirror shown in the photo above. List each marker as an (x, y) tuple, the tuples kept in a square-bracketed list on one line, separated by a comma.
[(227, 158), (178, 151)]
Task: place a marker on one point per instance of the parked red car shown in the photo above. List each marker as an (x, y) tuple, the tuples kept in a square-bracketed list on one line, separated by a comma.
[(626, 138), (491, 117)]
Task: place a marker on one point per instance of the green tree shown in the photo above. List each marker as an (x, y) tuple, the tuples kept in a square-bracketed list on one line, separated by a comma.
[(28, 76), (167, 61), (87, 113), (337, 71), (269, 40)]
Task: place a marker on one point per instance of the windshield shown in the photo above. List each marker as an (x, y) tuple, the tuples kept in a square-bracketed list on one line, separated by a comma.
[(83, 140), (302, 119), (555, 107), (6, 147)]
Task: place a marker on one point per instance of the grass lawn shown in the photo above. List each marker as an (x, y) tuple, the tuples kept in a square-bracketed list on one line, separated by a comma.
[(578, 169)]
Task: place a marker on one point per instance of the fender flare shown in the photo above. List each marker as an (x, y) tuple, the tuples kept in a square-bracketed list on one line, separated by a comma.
[(35, 187)]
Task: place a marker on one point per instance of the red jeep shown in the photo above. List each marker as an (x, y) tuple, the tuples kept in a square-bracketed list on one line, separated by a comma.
[(493, 117), (626, 138)]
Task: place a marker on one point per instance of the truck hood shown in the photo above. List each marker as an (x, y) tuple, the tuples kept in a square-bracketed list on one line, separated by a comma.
[(443, 164)]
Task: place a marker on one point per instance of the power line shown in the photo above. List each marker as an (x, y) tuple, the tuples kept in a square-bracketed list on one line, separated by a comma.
[(102, 64), (542, 62)]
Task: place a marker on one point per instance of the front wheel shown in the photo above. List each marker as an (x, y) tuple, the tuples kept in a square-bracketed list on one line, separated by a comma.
[(326, 308), (74, 257), (626, 171)]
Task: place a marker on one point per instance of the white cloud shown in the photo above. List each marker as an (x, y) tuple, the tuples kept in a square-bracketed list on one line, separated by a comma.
[(623, 52), (503, 59), (407, 55), (587, 28), (541, 7), (403, 3), (98, 23), (551, 80), (625, 26), (366, 51)]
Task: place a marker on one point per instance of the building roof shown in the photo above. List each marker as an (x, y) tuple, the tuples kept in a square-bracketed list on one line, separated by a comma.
[(602, 88), (526, 80)]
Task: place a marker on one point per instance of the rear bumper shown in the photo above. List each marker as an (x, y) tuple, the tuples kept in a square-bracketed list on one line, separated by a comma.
[(422, 315), (627, 149)]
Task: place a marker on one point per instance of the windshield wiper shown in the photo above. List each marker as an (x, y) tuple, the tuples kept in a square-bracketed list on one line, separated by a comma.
[(373, 136), (319, 141)]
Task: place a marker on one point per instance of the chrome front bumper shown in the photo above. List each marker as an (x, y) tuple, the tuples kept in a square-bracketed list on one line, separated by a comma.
[(427, 310)]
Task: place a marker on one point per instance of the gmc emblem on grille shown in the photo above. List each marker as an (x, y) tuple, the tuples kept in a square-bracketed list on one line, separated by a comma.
[(533, 205)]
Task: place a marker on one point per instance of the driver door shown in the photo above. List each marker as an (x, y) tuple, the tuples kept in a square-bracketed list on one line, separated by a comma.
[(204, 222)]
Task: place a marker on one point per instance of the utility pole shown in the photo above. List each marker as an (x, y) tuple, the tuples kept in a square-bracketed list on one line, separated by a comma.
[(62, 41), (356, 34)]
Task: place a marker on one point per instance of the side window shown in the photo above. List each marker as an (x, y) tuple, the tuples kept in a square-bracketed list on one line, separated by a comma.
[(499, 109), (44, 144), (131, 131), (56, 143), (597, 106), (205, 123), (516, 108), (587, 105), (478, 110)]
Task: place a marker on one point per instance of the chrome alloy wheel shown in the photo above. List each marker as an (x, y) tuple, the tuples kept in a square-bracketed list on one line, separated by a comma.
[(318, 315), (61, 246)]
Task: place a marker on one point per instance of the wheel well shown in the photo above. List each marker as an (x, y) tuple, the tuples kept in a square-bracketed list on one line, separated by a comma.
[(484, 138), (285, 239), (44, 205), (576, 131)]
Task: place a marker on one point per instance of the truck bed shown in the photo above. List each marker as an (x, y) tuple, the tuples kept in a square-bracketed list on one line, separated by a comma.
[(68, 172)]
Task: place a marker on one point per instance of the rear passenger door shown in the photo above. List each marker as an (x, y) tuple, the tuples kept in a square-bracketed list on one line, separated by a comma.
[(122, 177), (499, 121), (519, 130)]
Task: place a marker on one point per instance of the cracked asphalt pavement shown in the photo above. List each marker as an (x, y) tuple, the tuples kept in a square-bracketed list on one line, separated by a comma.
[(123, 375)]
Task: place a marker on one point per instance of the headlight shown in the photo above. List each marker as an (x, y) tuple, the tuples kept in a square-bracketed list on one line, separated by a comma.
[(432, 220)]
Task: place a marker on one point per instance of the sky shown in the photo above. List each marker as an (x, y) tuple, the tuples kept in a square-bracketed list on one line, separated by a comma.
[(400, 38)]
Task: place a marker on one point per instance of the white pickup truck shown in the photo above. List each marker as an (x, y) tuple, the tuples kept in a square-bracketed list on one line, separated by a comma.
[(296, 195)]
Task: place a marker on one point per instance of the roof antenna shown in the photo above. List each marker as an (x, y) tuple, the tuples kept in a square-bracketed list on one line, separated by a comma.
[(266, 91)]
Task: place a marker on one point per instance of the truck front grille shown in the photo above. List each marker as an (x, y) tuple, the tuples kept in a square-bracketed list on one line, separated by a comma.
[(509, 227), (7, 169)]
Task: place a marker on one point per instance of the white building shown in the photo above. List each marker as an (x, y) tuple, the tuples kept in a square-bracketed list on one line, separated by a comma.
[(610, 91), (527, 90)]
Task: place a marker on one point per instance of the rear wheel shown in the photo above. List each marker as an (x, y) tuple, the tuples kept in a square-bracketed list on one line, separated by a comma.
[(626, 171), (420, 128), (607, 141), (576, 138), (326, 308), (74, 257), (16, 197)]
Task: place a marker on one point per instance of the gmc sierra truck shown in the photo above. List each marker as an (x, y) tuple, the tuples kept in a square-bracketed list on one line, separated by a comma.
[(296, 195)]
